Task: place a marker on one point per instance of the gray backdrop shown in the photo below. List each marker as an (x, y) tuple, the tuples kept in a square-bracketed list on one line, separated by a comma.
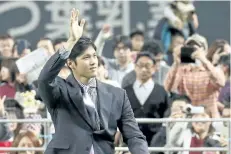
[(33, 20)]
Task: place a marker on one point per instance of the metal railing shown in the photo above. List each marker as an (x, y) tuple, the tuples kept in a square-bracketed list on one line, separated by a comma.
[(167, 121)]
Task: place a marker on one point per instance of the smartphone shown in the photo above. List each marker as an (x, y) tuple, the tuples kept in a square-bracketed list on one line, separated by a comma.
[(186, 53)]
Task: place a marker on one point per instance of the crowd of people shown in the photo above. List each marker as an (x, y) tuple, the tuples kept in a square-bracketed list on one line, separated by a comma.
[(160, 82)]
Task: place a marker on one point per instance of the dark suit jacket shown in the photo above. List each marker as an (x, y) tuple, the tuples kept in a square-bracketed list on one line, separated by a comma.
[(73, 129)]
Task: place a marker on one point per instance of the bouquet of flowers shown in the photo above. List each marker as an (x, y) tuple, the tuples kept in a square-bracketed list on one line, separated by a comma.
[(28, 101)]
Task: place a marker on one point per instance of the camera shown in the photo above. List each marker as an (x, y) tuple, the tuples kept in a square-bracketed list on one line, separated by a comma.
[(216, 136), (190, 109), (213, 141), (186, 53)]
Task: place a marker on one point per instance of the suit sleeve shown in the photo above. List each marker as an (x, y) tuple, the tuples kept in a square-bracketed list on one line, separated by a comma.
[(128, 126), (48, 84)]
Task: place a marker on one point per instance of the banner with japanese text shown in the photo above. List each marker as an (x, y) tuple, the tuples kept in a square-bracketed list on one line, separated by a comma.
[(33, 20)]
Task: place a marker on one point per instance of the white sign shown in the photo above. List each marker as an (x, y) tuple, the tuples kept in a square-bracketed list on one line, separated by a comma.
[(32, 64)]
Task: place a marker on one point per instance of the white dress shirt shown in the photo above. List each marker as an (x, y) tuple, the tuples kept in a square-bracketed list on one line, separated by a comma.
[(142, 91)]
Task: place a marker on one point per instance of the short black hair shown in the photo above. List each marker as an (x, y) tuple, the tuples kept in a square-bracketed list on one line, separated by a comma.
[(136, 32), (59, 40), (145, 54), (79, 48), (122, 39), (152, 46), (225, 60)]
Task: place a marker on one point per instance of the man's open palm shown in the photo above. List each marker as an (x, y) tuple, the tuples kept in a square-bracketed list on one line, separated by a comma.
[(76, 28)]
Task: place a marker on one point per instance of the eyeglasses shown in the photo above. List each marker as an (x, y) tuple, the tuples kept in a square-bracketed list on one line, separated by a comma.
[(147, 66)]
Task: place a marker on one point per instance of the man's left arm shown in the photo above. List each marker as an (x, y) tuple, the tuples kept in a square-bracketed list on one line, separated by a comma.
[(128, 126)]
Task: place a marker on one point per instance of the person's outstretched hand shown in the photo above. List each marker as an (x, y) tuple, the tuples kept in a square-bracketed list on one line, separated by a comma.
[(75, 29), (107, 31)]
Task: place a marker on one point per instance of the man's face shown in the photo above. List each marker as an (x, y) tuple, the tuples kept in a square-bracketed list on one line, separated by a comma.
[(122, 53), (176, 41), (85, 65), (137, 42), (7, 47), (144, 69)]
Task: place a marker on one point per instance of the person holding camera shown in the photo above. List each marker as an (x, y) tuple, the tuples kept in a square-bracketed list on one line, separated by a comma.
[(197, 134), (194, 75), (175, 111)]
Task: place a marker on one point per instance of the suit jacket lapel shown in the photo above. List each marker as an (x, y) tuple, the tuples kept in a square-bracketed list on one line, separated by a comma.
[(105, 102), (77, 98)]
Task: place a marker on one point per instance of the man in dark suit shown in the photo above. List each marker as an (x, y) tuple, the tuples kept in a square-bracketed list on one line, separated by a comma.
[(85, 111)]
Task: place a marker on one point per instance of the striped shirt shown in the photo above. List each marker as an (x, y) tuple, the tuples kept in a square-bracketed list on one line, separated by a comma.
[(91, 86)]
